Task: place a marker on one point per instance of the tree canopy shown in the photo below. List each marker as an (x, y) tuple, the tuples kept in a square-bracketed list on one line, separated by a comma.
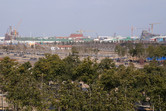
[(70, 84)]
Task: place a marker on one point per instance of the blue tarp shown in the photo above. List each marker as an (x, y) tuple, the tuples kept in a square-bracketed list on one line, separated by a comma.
[(156, 58), (160, 39)]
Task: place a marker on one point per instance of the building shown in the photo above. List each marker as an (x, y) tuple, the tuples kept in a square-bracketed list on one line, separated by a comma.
[(146, 36), (63, 47), (114, 39), (43, 40), (158, 39)]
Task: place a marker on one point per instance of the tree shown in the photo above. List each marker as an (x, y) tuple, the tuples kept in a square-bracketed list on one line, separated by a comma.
[(74, 51), (19, 84), (49, 68), (109, 79), (150, 51), (106, 64), (86, 71), (120, 50), (71, 62)]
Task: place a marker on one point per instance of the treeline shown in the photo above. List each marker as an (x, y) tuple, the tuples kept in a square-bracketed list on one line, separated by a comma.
[(141, 50), (53, 84)]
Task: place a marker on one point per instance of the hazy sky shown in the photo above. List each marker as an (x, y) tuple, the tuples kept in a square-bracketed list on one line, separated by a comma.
[(62, 17)]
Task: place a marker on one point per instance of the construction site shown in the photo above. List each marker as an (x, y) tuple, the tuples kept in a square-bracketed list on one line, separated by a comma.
[(25, 49)]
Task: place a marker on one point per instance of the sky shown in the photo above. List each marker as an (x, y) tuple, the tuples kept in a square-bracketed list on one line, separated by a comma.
[(96, 17)]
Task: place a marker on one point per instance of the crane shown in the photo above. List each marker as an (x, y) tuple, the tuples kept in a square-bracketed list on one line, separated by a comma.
[(152, 26), (82, 31), (136, 28), (132, 31), (15, 29)]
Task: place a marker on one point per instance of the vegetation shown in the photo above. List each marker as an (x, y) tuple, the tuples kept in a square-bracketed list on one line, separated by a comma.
[(55, 84), (140, 50)]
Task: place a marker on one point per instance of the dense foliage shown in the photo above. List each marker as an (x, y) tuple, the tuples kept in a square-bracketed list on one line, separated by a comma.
[(54, 84), (140, 50)]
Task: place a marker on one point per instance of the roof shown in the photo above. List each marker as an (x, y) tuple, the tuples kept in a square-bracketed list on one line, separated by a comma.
[(54, 39), (62, 37), (76, 35), (87, 39)]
